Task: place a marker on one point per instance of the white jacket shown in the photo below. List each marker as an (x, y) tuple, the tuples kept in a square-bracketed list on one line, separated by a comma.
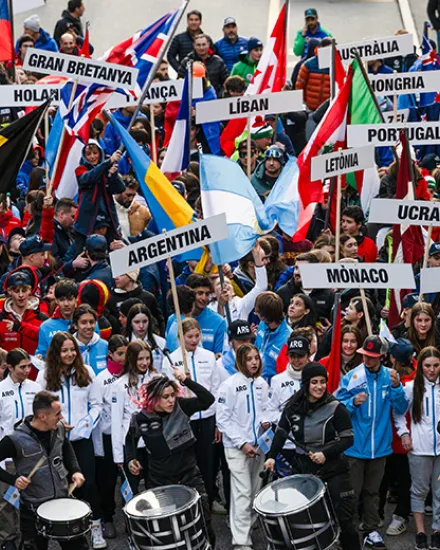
[(241, 409), (424, 436), (282, 387), (158, 356), (121, 411), (15, 403), (203, 369), (81, 407), (105, 381)]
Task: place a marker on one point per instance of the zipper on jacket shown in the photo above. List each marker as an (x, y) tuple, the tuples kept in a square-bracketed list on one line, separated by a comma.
[(248, 404), (16, 410), (254, 413), (21, 400), (195, 376), (427, 406), (374, 418), (434, 427)]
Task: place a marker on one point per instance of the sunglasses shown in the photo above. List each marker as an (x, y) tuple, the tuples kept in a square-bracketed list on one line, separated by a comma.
[(243, 154)]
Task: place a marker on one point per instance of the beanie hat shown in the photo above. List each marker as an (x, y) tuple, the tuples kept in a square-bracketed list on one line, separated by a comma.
[(32, 23), (311, 370), (254, 43), (133, 275), (261, 129)]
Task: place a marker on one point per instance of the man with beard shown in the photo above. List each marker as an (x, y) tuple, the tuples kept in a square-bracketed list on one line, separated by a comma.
[(311, 29), (268, 171), (231, 45), (133, 217)]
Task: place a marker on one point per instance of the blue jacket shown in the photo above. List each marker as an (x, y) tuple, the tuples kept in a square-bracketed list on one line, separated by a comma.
[(373, 434), (230, 52), (102, 272), (112, 139), (94, 353), (22, 181), (228, 362), (44, 42), (47, 331), (269, 343), (171, 336), (213, 328)]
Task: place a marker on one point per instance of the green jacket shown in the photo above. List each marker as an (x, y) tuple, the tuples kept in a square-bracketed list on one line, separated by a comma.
[(244, 68), (299, 45)]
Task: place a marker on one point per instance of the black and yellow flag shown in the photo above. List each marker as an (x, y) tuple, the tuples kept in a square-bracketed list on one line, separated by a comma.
[(15, 142)]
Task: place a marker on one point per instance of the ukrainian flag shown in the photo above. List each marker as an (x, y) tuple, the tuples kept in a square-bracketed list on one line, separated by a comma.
[(168, 208)]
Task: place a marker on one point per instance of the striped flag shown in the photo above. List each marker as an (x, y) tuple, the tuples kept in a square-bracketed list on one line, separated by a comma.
[(7, 51), (12, 496), (126, 492)]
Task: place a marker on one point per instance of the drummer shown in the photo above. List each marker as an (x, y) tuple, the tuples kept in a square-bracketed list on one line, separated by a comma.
[(319, 422), (165, 428), (41, 435)]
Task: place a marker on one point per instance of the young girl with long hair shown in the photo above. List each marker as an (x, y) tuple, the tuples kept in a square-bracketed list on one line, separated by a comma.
[(138, 370), (301, 311), (73, 382), (203, 369), (139, 327), (351, 341), (421, 439), (422, 331), (241, 418), (106, 469)]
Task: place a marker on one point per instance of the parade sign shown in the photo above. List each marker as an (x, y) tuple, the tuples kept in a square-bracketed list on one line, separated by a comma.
[(248, 106), (375, 48), (30, 95), (405, 83), (177, 241), (419, 133), (357, 275), (401, 116), (403, 212), (342, 162), (80, 68), (429, 280), (158, 92)]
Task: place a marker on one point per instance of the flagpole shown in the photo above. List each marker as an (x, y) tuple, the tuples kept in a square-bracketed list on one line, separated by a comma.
[(11, 14), (248, 148), (153, 70), (46, 137), (366, 312), (332, 95), (189, 74), (153, 135)]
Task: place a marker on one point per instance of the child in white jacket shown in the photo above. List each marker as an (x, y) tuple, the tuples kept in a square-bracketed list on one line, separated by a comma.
[(241, 418), (422, 441)]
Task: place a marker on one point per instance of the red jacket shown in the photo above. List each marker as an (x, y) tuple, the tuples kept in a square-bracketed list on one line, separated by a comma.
[(282, 360), (367, 250), (7, 223), (397, 442)]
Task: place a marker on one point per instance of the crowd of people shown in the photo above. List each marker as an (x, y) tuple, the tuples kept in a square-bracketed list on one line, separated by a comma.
[(95, 380)]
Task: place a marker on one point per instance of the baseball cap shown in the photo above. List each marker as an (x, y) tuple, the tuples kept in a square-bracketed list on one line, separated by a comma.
[(298, 345), (410, 300), (32, 245), (229, 21), (15, 231), (430, 161), (401, 349), (96, 243), (18, 278), (374, 346), (311, 12), (254, 43), (434, 249), (240, 330), (101, 221)]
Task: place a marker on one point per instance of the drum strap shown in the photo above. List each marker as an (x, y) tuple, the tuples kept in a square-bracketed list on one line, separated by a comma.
[(176, 428)]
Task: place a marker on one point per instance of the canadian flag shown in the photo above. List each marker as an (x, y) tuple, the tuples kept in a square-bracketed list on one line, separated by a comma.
[(270, 76)]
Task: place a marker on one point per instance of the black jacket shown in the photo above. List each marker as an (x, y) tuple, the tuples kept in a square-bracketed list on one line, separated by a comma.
[(216, 70), (67, 22), (62, 240), (180, 47), (434, 13), (323, 298)]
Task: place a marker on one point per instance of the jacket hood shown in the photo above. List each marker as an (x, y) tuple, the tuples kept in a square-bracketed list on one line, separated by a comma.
[(66, 15), (244, 58), (43, 38), (84, 161), (31, 271), (311, 45), (95, 339)]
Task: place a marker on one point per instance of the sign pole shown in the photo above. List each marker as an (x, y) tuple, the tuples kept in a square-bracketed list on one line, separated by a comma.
[(338, 218), (425, 255), (395, 109), (333, 95), (177, 310), (248, 148), (366, 312), (46, 137), (153, 135)]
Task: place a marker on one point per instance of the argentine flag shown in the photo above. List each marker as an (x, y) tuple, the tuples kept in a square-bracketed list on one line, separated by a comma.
[(126, 491), (12, 496)]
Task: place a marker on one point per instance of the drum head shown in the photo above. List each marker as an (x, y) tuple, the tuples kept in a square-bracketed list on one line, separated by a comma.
[(161, 501), (63, 509), (289, 495)]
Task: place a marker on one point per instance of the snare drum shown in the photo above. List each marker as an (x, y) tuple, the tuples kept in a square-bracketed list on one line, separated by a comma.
[(63, 518), (166, 518), (296, 512)]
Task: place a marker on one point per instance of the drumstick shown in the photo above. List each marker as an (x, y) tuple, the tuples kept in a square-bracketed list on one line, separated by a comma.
[(37, 467), (72, 487)]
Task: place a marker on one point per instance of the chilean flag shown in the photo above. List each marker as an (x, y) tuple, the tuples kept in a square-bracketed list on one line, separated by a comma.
[(177, 155), (7, 51)]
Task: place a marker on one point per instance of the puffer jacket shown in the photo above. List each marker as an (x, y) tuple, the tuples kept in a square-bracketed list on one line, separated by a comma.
[(216, 70), (315, 82), (181, 45)]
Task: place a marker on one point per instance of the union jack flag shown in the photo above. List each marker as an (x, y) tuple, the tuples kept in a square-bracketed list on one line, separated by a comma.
[(429, 56)]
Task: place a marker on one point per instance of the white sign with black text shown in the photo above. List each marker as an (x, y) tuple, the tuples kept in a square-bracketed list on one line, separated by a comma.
[(172, 243), (401, 116), (405, 83), (248, 106), (357, 276), (429, 280), (30, 95), (159, 92), (403, 212), (80, 68), (373, 48), (342, 162), (419, 133)]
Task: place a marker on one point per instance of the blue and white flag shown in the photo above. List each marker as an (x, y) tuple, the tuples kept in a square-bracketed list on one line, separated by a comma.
[(12, 496), (126, 491), (226, 189), (265, 441), (385, 332)]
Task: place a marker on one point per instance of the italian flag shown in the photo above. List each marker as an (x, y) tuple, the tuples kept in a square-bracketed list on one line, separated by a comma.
[(363, 110)]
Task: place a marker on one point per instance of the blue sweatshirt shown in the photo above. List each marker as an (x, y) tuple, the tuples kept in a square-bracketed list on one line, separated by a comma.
[(269, 343), (94, 353)]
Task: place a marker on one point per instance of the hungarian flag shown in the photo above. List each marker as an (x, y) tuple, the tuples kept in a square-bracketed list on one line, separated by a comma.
[(363, 110), (15, 143), (328, 136), (334, 359), (408, 242), (270, 76), (7, 51)]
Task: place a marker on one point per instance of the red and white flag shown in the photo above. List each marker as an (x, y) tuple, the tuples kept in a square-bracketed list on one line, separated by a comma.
[(270, 76)]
